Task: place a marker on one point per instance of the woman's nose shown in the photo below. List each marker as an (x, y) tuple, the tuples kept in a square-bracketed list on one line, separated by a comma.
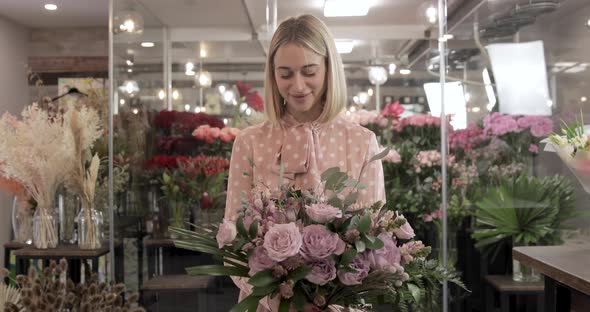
[(298, 83)]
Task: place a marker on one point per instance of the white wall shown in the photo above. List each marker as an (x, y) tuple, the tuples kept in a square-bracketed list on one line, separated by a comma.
[(14, 95)]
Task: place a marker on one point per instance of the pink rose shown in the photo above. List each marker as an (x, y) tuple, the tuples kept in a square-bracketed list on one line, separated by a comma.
[(382, 258), (323, 213), (533, 148), (226, 234), (282, 241), (259, 261), (361, 265), (214, 132), (322, 271), (405, 231), (201, 132), (225, 137), (320, 243)]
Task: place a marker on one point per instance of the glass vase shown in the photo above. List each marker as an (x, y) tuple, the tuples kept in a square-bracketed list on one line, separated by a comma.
[(451, 247), (179, 216), (67, 206), (45, 234), (523, 273), (89, 228), (22, 222)]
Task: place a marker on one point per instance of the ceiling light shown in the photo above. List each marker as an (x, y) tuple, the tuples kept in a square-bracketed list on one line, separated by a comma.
[(187, 107), (363, 98), (228, 96), (583, 99), (588, 22), (203, 53), (405, 71), (344, 46), (129, 70), (122, 101), (128, 22), (50, 7), (222, 87), (475, 109), (129, 62), (197, 109), (225, 121), (392, 68), (370, 92), (448, 36), (161, 94), (356, 99), (147, 44), (352, 109), (135, 111), (190, 73), (346, 8), (431, 15)]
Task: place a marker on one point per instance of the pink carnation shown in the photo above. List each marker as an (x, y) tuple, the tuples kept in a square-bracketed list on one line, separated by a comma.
[(226, 234)]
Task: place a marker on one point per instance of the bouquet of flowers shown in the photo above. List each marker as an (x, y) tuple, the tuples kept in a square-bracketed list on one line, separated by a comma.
[(314, 251), (573, 148)]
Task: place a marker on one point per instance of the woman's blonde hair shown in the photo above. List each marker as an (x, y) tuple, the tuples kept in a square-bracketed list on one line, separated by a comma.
[(309, 32)]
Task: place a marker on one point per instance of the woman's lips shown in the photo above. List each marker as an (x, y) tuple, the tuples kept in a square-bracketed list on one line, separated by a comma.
[(300, 97)]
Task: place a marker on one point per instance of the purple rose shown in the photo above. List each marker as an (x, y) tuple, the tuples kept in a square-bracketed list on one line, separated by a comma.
[(323, 213), (405, 231), (361, 265), (227, 233), (282, 241), (319, 242), (322, 271), (259, 261), (390, 254)]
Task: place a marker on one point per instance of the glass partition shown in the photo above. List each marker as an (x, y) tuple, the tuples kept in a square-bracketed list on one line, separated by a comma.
[(188, 73)]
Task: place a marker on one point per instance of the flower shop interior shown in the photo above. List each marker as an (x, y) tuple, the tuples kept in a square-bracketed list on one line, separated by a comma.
[(119, 118)]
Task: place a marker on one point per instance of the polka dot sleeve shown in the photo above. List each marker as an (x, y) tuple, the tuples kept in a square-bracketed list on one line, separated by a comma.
[(372, 175), (240, 176)]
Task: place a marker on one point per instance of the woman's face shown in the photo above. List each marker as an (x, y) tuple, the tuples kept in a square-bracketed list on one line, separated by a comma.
[(300, 75)]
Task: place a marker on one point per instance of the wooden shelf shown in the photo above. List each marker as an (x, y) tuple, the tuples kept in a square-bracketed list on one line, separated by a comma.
[(65, 251), (504, 283), (177, 282)]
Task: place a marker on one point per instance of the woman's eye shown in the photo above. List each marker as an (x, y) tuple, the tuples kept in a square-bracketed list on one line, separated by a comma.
[(309, 73), (285, 76)]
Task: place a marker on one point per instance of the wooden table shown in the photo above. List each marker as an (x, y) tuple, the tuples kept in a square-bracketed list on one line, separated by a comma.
[(566, 270), (72, 253)]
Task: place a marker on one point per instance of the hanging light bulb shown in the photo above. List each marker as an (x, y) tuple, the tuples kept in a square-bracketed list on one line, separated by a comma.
[(377, 75), (129, 87), (128, 22), (363, 98), (204, 79), (392, 68), (161, 94), (175, 95), (229, 96)]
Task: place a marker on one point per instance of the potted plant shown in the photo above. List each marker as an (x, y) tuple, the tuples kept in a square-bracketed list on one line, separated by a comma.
[(525, 211)]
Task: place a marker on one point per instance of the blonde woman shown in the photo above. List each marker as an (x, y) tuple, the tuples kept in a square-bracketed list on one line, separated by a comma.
[(305, 92)]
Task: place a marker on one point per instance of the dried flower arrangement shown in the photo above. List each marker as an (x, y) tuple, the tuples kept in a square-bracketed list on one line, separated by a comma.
[(83, 128), (48, 292), (31, 151)]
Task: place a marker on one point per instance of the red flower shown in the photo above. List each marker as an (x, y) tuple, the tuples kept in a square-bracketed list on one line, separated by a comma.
[(393, 110), (243, 89), (255, 101)]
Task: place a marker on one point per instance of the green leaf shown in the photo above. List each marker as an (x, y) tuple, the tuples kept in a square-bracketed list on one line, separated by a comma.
[(335, 202), (217, 270), (299, 300), (299, 273), (262, 278), (360, 246), (241, 228), (351, 199), (336, 181), (285, 305), (254, 230), (329, 172), (365, 223), (166, 178), (354, 223), (265, 290), (249, 304), (348, 256), (380, 155), (415, 291), (351, 182), (373, 242)]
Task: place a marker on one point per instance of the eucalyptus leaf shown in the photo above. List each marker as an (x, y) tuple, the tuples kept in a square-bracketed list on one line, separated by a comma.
[(380, 155), (365, 223), (329, 172), (360, 246), (415, 291)]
